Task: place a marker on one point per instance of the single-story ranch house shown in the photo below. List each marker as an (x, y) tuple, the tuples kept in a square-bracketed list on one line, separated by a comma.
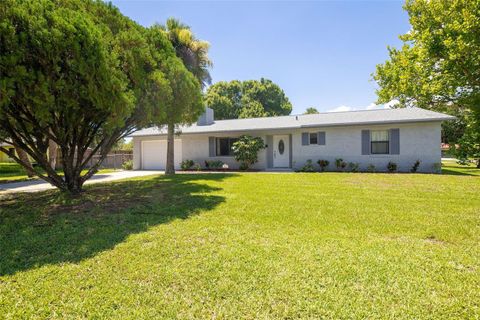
[(370, 137)]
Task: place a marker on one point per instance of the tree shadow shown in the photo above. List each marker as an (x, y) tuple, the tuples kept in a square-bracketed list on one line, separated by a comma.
[(459, 171), (50, 227)]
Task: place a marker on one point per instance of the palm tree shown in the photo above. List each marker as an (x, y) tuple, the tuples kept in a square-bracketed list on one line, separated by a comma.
[(194, 55)]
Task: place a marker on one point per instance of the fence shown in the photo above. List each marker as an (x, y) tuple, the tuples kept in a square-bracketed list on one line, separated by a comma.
[(112, 161)]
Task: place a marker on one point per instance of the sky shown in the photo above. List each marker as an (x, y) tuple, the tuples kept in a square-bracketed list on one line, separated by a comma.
[(321, 53)]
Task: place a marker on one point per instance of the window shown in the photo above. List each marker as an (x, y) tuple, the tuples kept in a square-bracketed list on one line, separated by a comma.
[(313, 138), (379, 142), (224, 146)]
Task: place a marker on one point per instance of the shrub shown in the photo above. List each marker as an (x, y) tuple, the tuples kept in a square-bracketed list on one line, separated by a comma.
[(353, 166), (127, 165), (323, 164), (340, 164), (391, 166), (371, 168), (197, 167), (437, 167), (213, 164), (186, 164), (246, 150), (308, 167), (415, 166)]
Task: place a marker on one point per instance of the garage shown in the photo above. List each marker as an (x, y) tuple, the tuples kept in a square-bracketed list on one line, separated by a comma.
[(154, 154)]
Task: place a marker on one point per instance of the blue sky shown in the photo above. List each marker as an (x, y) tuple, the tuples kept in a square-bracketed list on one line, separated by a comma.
[(321, 53)]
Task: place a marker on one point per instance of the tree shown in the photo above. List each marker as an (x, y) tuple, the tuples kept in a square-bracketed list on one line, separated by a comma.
[(78, 73), (247, 99), (311, 110), (194, 55), (246, 149), (438, 66)]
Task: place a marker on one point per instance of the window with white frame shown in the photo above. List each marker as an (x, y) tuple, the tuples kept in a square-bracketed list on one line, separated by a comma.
[(380, 142), (313, 138)]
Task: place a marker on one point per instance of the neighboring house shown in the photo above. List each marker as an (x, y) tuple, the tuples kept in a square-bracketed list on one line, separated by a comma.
[(4, 157), (366, 137)]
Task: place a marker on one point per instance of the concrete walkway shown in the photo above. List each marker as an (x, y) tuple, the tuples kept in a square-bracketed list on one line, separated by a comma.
[(39, 185)]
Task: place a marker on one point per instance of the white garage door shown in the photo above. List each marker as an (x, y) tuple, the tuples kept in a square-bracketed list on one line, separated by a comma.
[(154, 154)]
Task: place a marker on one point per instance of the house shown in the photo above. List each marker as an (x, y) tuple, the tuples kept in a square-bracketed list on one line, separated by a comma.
[(367, 137)]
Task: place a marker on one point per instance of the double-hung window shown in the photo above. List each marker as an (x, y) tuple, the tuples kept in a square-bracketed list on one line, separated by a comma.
[(380, 142), (223, 146), (313, 138)]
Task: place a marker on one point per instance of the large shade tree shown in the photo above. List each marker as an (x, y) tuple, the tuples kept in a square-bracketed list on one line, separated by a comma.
[(81, 74), (194, 55), (438, 67), (247, 99)]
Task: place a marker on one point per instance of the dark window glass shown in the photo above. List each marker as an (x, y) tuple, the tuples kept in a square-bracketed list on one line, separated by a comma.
[(281, 146), (224, 146), (380, 147), (313, 138), (380, 142)]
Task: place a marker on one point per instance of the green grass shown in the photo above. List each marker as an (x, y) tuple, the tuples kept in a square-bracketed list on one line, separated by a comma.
[(329, 245), (452, 167), (13, 172)]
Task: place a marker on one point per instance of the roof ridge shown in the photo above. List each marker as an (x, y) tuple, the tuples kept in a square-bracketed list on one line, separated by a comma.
[(315, 114)]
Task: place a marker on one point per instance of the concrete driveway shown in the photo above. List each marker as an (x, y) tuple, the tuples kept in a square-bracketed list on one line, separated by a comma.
[(39, 185)]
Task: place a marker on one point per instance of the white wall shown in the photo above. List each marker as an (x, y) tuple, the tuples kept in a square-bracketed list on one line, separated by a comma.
[(417, 141), (196, 148)]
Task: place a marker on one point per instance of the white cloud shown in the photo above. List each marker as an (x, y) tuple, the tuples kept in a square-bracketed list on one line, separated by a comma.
[(341, 109), (371, 106)]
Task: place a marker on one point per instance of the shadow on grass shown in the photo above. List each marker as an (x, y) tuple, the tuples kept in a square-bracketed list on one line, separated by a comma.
[(50, 227), (460, 171)]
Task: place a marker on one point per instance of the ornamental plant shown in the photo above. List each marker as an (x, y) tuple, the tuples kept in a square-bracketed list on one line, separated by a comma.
[(323, 164), (246, 149), (391, 166), (308, 167)]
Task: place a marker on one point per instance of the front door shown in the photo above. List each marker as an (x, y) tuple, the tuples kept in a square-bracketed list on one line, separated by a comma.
[(281, 151)]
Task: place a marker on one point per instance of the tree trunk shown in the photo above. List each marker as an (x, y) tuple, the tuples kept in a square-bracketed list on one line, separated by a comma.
[(170, 168), (478, 163), (24, 157), (52, 153)]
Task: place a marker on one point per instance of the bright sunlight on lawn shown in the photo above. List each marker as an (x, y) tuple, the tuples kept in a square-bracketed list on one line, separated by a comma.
[(13, 172), (246, 246)]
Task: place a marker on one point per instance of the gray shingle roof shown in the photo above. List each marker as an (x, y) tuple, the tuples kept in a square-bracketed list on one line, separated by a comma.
[(327, 119)]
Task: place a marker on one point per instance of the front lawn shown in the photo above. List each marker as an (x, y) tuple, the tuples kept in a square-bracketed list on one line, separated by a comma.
[(262, 245), (13, 172)]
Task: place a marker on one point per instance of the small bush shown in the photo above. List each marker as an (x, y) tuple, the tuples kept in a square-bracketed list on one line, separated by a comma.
[(213, 164), (340, 164), (186, 164), (415, 166), (371, 168), (353, 166), (437, 167), (308, 167), (127, 165), (197, 167), (246, 150), (391, 166), (323, 164)]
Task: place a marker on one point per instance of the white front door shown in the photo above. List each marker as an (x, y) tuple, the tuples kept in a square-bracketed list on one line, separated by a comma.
[(281, 151)]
